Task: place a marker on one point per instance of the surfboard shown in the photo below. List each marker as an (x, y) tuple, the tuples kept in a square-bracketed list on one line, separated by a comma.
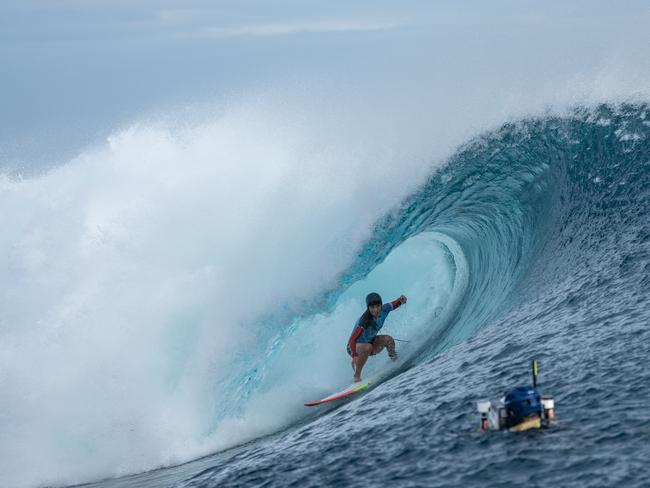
[(350, 390)]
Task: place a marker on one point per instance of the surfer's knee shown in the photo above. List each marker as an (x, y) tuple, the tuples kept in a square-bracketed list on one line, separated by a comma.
[(390, 347), (364, 349)]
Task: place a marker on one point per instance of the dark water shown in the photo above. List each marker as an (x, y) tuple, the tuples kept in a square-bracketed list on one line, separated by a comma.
[(553, 217)]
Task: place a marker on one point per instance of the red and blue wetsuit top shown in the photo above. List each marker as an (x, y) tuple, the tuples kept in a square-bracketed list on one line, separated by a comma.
[(366, 328)]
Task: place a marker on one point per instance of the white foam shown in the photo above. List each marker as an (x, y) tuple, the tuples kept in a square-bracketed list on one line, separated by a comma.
[(133, 273)]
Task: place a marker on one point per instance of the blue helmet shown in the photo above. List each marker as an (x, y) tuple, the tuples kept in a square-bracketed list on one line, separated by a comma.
[(521, 402)]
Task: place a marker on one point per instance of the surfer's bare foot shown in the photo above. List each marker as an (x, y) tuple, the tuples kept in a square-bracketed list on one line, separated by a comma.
[(393, 357), (357, 379)]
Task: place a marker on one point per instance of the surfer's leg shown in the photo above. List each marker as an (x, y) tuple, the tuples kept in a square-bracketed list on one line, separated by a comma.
[(363, 351), (382, 341)]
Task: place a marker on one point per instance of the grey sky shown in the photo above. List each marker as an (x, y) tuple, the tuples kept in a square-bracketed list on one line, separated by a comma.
[(74, 71)]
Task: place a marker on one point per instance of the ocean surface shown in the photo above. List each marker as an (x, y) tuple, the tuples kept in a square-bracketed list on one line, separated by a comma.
[(532, 241)]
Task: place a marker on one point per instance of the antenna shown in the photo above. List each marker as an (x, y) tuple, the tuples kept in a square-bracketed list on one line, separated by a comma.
[(535, 371)]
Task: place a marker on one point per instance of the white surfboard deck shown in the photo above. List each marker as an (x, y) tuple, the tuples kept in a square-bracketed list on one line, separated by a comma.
[(347, 391), (375, 379)]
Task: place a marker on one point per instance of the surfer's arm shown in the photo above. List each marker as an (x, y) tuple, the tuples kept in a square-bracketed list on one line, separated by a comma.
[(353, 340), (397, 302)]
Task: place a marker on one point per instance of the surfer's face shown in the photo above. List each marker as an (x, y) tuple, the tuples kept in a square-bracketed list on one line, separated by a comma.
[(375, 310)]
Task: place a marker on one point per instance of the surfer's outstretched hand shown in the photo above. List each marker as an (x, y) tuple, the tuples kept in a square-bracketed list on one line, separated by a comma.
[(402, 299)]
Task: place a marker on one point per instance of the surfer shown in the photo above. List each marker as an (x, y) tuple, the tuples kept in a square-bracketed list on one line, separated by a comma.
[(364, 340)]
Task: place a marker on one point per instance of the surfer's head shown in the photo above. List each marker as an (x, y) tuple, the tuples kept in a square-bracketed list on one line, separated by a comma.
[(373, 303)]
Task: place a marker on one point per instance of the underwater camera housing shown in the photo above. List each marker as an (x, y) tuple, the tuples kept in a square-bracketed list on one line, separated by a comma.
[(521, 408)]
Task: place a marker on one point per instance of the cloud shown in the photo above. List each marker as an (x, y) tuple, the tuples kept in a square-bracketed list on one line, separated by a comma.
[(100, 20), (275, 29)]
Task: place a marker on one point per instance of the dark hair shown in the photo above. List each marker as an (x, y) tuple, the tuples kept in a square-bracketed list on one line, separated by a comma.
[(373, 299)]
